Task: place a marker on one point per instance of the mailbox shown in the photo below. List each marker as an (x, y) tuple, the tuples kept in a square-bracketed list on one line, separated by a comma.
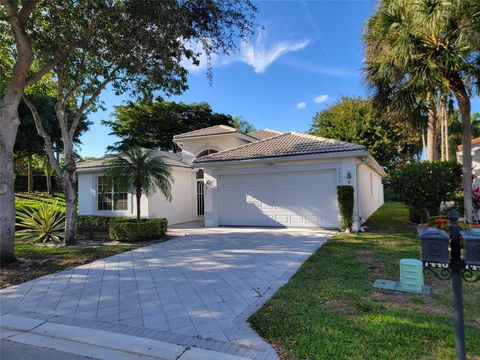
[(471, 255), (434, 247)]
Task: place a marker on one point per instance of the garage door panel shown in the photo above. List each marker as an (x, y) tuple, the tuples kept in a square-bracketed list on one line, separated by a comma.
[(281, 199)]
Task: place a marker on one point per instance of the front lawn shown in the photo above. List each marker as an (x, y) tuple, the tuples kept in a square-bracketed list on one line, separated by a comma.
[(329, 309)]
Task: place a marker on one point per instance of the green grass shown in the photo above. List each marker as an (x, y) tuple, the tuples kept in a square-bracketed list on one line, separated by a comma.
[(33, 200), (34, 260), (329, 309)]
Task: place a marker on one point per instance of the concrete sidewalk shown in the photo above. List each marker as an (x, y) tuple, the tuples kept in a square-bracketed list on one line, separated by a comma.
[(193, 291)]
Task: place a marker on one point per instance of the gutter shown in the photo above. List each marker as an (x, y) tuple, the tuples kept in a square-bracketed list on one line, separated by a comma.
[(331, 155)]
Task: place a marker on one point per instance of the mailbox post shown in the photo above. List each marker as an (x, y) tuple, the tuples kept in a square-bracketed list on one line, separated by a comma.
[(437, 255)]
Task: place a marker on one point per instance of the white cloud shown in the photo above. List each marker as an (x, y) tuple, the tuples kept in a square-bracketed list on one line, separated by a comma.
[(301, 105), (320, 99), (260, 55)]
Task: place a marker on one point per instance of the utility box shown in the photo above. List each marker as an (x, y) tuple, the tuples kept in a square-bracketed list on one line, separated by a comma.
[(435, 244), (471, 239), (411, 275)]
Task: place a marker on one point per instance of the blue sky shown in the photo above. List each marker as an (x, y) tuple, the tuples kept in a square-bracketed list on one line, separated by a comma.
[(308, 55)]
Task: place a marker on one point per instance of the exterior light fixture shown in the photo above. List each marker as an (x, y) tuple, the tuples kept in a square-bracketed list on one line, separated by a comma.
[(349, 176)]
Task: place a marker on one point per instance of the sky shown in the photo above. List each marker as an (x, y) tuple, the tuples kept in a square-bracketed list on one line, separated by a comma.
[(302, 59)]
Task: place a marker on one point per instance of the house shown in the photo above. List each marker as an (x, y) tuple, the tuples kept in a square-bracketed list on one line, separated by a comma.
[(263, 178), (475, 159)]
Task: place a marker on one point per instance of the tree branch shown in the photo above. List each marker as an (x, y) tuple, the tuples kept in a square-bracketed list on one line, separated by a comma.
[(27, 9), (46, 138), (24, 58), (62, 53), (85, 104)]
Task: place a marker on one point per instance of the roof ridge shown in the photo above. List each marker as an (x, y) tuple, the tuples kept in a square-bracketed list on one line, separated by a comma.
[(242, 146), (267, 129), (324, 138), (226, 127), (273, 130)]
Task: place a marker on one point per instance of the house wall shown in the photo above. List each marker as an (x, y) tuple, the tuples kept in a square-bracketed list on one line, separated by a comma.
[(343, 166), (475, 163), (476, 166), (182, 208), (370, 193), (192, 147), (87, 197)]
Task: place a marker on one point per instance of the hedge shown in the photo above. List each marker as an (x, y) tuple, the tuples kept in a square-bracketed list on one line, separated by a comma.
[(423, 186), (88, 225), (132, 230), (345, 204)]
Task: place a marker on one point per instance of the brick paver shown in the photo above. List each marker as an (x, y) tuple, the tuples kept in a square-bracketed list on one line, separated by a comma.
[(202, 286)]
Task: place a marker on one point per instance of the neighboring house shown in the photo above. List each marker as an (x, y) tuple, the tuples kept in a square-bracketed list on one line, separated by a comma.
[(263, 178), (475, 159)]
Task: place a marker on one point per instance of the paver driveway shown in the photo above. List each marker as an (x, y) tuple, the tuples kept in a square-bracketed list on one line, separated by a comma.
[(202, 286)]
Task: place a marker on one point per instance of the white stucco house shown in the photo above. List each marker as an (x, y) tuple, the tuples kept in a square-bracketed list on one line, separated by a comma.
[(475, 159), (263, 178)]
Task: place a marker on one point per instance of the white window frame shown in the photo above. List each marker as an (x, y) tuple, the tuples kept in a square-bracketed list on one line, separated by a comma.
[(113, 196)]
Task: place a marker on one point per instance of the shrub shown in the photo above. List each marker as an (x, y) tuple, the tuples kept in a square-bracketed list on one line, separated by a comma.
[(422, 186), (88, 225), (345, 203), (133, 230), (42, 224)]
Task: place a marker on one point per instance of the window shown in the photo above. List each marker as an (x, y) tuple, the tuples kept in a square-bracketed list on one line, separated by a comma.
[(111, 197), (206, 152)]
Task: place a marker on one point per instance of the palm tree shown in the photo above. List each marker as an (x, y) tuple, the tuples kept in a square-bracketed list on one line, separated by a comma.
[(142, 170), (428, 45)]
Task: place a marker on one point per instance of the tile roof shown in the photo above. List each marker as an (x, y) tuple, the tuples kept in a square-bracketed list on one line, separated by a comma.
[(172, 159), (264, 133), (475, 141), (288, 144), (212, 130)]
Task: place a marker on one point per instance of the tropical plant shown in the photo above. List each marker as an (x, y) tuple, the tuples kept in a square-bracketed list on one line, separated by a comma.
[(423, 47), (422, 186), (46, 223), (142, 170)]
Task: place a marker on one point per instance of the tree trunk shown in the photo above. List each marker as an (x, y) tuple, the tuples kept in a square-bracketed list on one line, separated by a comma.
[(48, 175), (9, 122), (139, 197), (464, 107), (30, 174), (8, 130), (441, 122), (447, 142), (432, 150), (69, 182)]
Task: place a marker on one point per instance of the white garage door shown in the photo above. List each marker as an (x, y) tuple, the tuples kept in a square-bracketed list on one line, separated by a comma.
[(306, 199)]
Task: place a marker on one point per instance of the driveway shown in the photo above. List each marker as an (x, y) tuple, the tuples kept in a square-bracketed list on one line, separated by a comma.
[(196, 290)]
